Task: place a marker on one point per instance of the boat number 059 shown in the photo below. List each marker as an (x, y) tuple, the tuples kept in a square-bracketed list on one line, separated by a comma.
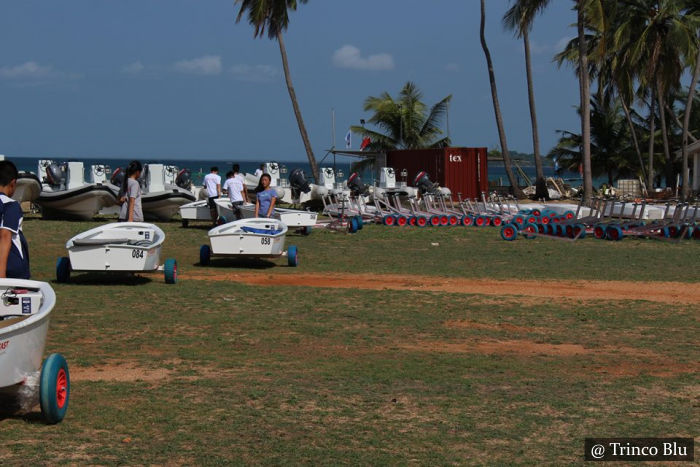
[(137, 253), (265, 241)]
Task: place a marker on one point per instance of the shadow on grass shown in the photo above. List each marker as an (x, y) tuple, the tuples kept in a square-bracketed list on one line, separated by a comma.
[(98, 278), (10, 410)]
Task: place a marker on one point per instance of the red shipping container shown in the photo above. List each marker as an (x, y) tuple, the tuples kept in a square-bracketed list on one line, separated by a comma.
[(462, 170)]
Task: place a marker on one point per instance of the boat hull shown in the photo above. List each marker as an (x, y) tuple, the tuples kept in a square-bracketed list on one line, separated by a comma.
[(81, 203), (163, 205), (230, 240), (28, 188)]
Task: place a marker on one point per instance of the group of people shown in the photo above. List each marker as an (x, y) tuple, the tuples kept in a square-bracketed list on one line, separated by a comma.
[(234, 186), (14, 250)]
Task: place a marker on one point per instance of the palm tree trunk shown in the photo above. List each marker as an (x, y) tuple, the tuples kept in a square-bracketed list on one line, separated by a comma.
[(497, 108), (585, 90), (633, 133), (686, 124), (668, 167), (652, 132), (295, 105), (541, 191)]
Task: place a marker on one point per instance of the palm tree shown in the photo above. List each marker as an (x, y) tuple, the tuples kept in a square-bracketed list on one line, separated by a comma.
[(611, 153), (405, 122), (273, 15), (519, 18), (658, 37), (497, 107), (686, 125)]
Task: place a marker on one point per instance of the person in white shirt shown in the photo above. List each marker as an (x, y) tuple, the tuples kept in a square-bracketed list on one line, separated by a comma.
[(236, 193), (259, 171), (212, 183)]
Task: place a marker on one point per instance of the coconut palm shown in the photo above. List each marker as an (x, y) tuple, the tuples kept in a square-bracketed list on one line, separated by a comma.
[(405, 122), (611, 153), (519, 18), (658, 38), (507, 164), (273, 16)]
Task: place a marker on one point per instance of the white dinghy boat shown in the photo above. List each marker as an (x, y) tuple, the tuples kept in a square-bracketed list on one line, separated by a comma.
[(118, 247), (24, 324), (249, 238)]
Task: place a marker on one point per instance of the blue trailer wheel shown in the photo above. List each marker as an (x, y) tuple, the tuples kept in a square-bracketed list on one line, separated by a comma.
[(292, 256), (54, 388), (221, 220), (204, 255), (170, 270), (389, 220), (614, 233), (360, 222), (352, 225), (530, 230), (63, 270), (509, 232)]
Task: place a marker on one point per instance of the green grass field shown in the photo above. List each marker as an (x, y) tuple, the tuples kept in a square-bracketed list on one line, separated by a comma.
[(206, 372)]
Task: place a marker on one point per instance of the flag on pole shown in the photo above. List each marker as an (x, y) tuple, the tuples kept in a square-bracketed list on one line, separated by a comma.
[(348, 140), (365, 142)]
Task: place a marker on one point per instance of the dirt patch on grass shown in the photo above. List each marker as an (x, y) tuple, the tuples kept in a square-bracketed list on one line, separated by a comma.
[(122, 373), (464, 324), (662, 292)]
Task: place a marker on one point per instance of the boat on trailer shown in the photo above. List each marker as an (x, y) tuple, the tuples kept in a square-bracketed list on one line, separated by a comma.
[(66, 195), (249, 238), (24, 323), (117, 247)]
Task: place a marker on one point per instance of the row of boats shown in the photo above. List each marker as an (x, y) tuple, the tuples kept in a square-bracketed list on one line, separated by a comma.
[(70, 190)]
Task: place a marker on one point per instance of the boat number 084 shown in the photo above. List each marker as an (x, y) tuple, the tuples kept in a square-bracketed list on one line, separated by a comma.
[(265, 241), (137, 253)]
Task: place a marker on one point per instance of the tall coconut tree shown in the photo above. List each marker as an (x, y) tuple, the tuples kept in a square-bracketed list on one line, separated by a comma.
[(273, 16), (519, 18), (405, 122), (507, 163), (658, 38), (686, 126)]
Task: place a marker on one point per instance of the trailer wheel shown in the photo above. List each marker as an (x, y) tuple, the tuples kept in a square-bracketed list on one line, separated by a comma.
[(185, 222), (569, 215), (496, 221), (435, 221), (531, 219), (204, 255), (411, 220), (292, 256), (54, 388), (444, 221), (582, 229), (599, 232), (421, 221), (307, 230), (519, 220), (481, 221), (530, 231), (541, 228), (454, 220), (63, 270), (170, 270), (352, 225), (569, 230), (389, 220), (467, 220), (696, 232), (221, 220), (401, 221), (360, 222), (614, 233), (544, 219), (536, 212), (509, 232)]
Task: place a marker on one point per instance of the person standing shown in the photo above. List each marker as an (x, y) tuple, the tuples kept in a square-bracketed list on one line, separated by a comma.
[(266, 197), (236, 193), (259, 171), (212, 183), (14, 251), (131, 210)]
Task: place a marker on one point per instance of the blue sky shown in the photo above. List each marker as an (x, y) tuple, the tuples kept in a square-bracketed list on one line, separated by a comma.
[(180, 79)]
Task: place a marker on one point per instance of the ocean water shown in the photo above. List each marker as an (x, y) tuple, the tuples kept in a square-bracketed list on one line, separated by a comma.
[(200, 168)]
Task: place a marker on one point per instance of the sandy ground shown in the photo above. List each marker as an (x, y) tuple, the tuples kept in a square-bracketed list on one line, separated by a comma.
[(661, 292)]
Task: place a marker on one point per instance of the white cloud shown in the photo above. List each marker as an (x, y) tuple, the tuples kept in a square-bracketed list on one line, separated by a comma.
[(538, 49), (255, 73), (206, 65), (454, 67), (349, 56), (133, 68), (32, 73), (26, 70)]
